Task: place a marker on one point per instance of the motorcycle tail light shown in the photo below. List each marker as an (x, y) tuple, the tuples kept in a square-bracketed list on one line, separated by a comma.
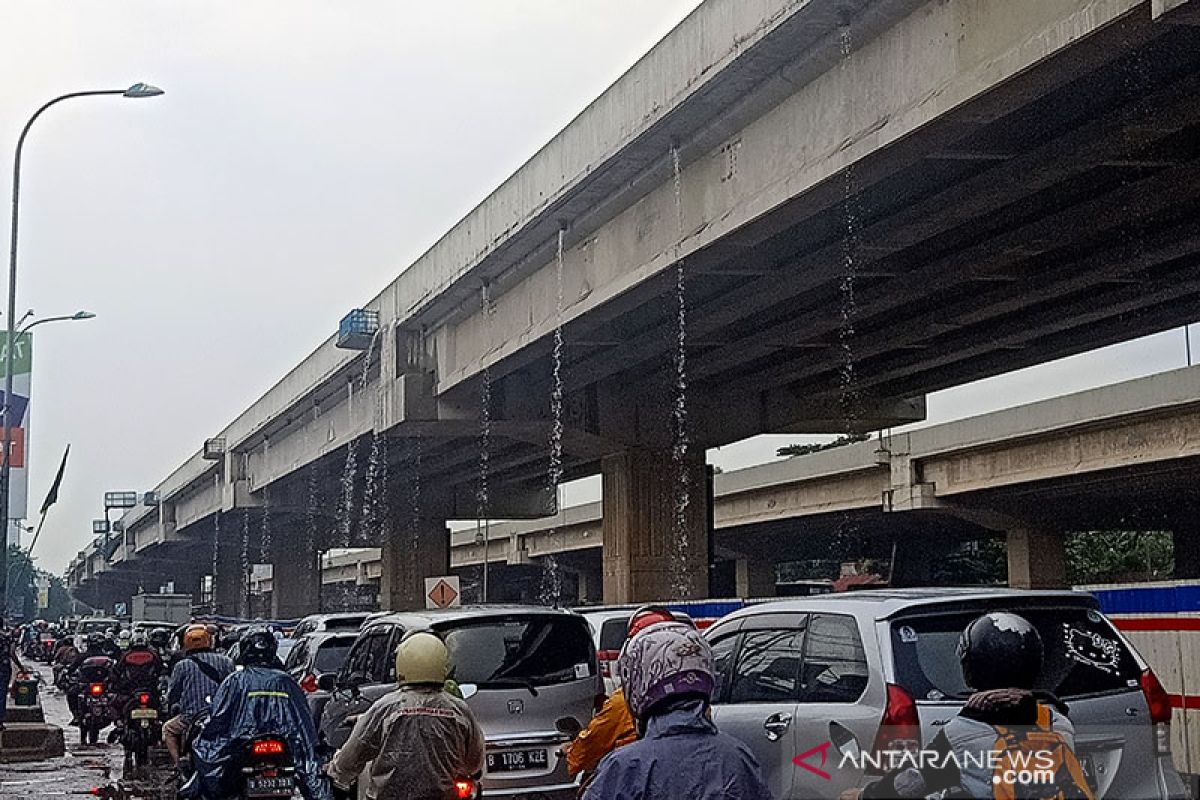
[(144, 698), (267, 747), (96, 688), (309, 683), (464, 790)]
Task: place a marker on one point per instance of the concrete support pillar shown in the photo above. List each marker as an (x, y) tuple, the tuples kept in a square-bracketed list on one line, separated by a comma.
[(1186, 537), (1037, 559), (645, 557), (408, 558), (754, 577), (295, 581), (229, 590)]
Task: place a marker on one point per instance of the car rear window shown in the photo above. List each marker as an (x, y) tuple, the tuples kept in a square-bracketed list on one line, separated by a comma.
[(331, 654), (344, 623), (613, 633), (1083, 655), (536, 650)]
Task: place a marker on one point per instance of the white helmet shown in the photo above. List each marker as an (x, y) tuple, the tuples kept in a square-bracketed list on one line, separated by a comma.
[(422, 658)]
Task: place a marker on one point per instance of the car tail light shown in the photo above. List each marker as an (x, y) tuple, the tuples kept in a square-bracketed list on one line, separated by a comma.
[(900, 728), (267, 747), (607, 658), (96, 688), (309, 682), (144, 698), (464, 790), (1159, 703)]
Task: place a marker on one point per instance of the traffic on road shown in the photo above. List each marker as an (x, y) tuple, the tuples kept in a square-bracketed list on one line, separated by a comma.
[(888, 693)]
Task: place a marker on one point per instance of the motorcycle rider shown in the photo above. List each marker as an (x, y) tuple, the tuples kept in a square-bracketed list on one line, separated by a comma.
[(1001, 656), (613, 725), (160, 641), (194, 679), (8, 660), (137, 670), (420, 738), (71, 676), (667, 674), (260, 699)]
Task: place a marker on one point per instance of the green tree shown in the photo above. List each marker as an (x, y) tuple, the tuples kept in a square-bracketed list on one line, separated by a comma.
[(806, 449), (1116, 556)]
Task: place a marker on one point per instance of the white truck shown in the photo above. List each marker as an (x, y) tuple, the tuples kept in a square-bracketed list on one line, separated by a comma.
[(173, 608)]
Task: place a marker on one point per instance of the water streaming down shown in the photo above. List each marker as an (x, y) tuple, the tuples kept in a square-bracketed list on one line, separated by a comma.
[(344, 513), (374, 513), (847, 538), (414, 496), (311, 519), (682, 580), (264, 547), (552, 574), (244, 583), (482, 496), (850, 397), (216, 549)]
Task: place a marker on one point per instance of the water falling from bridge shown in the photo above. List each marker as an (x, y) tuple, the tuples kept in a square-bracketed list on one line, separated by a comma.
[(682, 579)]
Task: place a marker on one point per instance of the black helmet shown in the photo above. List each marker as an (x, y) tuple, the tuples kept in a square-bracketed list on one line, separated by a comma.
[(257, 647), (160, 637), (96, 640), (1000, 650)]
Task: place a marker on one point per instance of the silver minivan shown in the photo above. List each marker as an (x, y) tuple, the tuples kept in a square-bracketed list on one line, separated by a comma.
[(522, 668), (811, 684)]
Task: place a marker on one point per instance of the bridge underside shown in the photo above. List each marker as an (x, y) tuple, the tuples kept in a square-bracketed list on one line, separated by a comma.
[(1053, 214)]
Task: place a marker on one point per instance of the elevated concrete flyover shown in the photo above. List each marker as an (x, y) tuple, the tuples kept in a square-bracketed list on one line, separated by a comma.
[(862, 200), (1122, 457)]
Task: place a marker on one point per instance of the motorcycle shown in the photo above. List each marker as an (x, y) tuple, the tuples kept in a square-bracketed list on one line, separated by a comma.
[(94, 698), (95, 715), (141, 728)]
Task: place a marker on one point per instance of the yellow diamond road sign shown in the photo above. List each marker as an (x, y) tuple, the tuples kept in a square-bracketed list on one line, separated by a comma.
[(442, 592)]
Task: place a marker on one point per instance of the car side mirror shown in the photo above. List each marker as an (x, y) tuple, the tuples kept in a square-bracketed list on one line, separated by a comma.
[(327, 682)]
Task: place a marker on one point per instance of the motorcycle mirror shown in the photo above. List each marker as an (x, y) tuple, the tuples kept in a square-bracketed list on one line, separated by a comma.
[(468, 690), (569, 726), (327, 682)]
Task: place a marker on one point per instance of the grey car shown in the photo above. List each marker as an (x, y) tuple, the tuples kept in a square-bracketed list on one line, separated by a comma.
[(522, 668), (810, 684)]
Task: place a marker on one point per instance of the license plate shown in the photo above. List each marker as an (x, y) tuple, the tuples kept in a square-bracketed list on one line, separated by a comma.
[(143, 713), (514, 760), (270, 787)]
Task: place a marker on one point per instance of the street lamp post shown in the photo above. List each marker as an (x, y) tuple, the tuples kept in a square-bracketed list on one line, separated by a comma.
[(137, 90)]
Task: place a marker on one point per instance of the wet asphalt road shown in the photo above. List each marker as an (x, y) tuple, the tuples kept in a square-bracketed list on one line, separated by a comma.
[(82, 769)]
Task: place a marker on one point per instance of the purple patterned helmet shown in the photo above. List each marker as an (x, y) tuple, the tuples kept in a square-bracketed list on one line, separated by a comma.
[(665, 660)]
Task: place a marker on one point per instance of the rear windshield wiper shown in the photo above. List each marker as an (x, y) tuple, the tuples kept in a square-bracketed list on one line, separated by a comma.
[(522, 683)]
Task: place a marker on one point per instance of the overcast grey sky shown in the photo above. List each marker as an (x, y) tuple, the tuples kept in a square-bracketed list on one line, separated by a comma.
[(304, 154)]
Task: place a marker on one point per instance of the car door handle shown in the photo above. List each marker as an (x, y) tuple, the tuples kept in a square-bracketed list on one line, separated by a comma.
[(776, 726)]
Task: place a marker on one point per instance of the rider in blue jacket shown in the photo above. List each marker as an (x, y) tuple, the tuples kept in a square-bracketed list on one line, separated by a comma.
[(667, 673), (258, 700)]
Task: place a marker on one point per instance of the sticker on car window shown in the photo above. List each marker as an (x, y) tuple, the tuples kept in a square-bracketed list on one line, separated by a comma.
[(1092, 649), (908, 635), (581, 670)]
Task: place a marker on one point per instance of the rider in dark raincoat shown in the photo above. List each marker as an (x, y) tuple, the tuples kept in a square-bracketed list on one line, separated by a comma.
[(258, 700), (667, 674)]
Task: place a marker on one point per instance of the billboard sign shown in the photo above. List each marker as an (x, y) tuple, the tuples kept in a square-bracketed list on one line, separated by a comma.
[(18, 486)]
